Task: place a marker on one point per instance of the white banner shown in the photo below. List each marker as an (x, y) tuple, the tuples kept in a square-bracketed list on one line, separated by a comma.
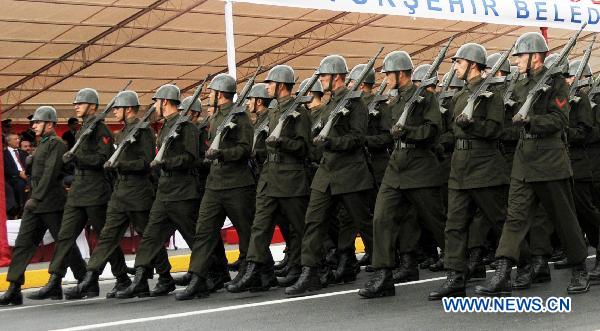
[(565, 14)]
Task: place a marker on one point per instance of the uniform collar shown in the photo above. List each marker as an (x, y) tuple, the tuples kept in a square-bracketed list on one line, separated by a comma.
[(224, 109), (474, 82), (48, 136), (537, 75), (171, 117), (339, 92), (406, 88)]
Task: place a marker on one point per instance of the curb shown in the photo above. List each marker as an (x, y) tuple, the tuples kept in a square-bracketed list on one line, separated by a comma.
[(179, 263)]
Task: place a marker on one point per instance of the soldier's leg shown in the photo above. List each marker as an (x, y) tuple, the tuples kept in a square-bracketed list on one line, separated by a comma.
[(240, 204), (30, 235), (210, 220), (427, 201), (522, 201), (139, 220), (74, 260), (316, 225), (357, 205), (158, 230), (97, 218), (557, 199), (73, 222), (110, 237), (409, 231), (347, 230), (389, 209), (478, 230), (294, 210), (587, 213), (540, 232), (461, 209), (262, 229)]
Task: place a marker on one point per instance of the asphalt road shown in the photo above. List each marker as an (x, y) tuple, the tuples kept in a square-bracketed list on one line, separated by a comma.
[(335, 308)]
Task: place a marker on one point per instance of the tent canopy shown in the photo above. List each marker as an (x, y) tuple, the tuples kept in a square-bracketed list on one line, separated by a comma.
[(52, 48)]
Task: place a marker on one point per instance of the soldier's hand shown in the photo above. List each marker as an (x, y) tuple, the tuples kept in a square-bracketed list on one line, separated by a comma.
[(155, 164), (31, 204), (273, 142), (519, 120), (397, 131), (322, 141), (68, 157), (463, 121), (109, 166), (213, 154)]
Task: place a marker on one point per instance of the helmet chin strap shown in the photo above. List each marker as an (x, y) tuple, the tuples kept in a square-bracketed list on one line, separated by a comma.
[(330, 87), (467, 72), (397, 75), (528, 70), (215, 101)]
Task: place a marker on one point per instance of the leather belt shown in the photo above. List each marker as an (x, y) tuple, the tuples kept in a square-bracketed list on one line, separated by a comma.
[(403, 145), (465, 144)]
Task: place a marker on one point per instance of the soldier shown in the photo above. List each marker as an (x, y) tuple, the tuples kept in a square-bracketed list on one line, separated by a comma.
[(541, 172), (258, 103), (412, 178), (218, 274), (230, 187), (478, 169), (43, 210), (175, 206), (580, 135), (130, 201), (283, 187), (342, 177), (87, 198)]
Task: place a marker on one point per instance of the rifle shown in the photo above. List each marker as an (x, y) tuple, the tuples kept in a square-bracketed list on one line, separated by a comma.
[(542, 84), (131, 137), (301, 97), (512, 81), (263, 126), (353, 93), (429, 79), (445, 93), (238, 108), (174, 131), (379, 97), (97, 119), (582, 65), (472, 101)]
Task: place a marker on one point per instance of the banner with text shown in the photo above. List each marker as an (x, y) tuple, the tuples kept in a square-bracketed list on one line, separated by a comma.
[(566, 14)]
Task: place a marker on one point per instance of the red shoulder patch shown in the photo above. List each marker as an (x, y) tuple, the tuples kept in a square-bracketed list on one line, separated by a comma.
[(561, 103), (106, 140)]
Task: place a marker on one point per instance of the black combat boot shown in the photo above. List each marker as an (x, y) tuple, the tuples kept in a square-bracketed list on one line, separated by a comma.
[(490, 257), (164, 285), (325, 275), (283, 271), (283, 263), (332, 258), (241, 271), (183, 280), (523, 278), (196, 289), (454, 286), (579, 280), (250, 280), (540, 270), (438, 265), (475, 266), (52, 289), (121, 284), (380, 285), (292, 276), (308, 281), (346, 269), (138, 288), (594, 274), (499, 284), (365, 260), (558, 254), (562, 264), (12, 296), (407, 271), (87, 288), (217, 279)]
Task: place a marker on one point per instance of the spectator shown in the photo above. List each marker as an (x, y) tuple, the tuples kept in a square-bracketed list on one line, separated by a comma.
[(14, 170), (27, 147), (69, 136)]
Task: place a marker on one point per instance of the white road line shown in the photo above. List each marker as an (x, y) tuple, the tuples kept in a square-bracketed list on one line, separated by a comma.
[(228, 308), (2, 310)]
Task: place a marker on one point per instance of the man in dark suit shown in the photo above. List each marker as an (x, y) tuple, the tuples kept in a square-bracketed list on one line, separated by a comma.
[(69, 136), (14, 170)]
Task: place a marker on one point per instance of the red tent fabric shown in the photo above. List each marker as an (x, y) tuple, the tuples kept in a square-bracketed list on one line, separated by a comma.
[(4, 249)]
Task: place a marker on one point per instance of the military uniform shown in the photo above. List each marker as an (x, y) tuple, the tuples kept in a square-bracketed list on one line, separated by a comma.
[(88, 197), (47, 189), (230, 190), (131, 199)]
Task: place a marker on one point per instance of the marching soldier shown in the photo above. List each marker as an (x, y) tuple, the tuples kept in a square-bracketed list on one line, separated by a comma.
[(342, 177), (258, 104), (478, 170), (412, 178), (43, 210), (230, 187), (541, 172), (283, 187), (88, 197), (130, 202), (175, 206)]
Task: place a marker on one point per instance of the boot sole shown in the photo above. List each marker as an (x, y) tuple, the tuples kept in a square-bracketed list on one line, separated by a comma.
[(53, 297), (494, 294), (587, 289), (381, 294), (594, 280), (82, 296), (520, 288), (310, 289), (406, 280)]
